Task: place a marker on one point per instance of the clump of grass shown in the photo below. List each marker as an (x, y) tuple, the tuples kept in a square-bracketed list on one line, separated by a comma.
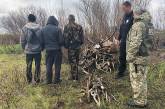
[(11, 49), (156, 73), (16, 94), (12, 84)]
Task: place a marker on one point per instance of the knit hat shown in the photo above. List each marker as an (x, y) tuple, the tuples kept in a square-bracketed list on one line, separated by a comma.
[(71, 17)]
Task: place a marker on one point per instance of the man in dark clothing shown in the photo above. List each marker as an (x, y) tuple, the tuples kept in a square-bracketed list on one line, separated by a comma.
[(53, 41), (31, 43), (74, 38), (124, 29)]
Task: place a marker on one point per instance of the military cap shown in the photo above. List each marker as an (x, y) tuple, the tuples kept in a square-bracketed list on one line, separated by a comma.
[(138, 10)]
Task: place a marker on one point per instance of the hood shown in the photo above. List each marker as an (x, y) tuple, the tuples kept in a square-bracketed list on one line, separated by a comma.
[(52, 20), (146, 17), (32, 26)]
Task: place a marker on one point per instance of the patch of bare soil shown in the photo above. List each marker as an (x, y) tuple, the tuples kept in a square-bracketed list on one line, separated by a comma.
[(157, 56)]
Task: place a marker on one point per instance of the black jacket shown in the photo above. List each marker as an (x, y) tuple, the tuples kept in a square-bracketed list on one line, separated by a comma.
[(126, 26), (52, 35)]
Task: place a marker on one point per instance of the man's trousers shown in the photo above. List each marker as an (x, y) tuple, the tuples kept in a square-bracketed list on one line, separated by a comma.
[(138, 77), (53, 57), (29, 61), (73, 56)]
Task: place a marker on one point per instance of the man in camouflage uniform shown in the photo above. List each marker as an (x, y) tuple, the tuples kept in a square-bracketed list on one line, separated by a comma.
[(137, 57), (74, 38)]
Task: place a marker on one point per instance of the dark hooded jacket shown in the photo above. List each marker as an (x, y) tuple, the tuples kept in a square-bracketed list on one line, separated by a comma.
[(52, 35), (126, 26)]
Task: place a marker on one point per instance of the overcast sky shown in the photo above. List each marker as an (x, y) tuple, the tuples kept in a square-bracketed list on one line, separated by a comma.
[(7, 5)]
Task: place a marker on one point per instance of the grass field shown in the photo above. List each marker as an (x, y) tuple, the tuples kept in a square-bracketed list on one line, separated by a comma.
[(16, 94), (10, 49)]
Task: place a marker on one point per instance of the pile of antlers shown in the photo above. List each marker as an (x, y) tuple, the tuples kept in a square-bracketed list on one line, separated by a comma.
[(103, 58), (96, 90)]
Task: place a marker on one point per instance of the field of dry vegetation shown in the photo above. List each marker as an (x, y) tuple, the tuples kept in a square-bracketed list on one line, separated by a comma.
[(15, 93), (100, 21)]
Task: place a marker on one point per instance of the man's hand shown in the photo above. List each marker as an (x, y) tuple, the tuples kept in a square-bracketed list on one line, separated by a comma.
[(117, 42)]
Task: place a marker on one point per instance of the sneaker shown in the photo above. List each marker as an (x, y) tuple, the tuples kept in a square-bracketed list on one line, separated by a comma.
[(131, 103)]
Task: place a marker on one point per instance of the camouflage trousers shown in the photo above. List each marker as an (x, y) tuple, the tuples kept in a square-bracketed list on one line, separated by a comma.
[(138, 77), (73, 56)]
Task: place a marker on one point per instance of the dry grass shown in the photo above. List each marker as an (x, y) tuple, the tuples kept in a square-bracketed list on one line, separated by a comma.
[(7, 39), (16, 94)]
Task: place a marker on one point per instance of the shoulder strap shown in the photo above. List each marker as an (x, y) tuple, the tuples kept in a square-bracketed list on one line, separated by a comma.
[(34, 34)]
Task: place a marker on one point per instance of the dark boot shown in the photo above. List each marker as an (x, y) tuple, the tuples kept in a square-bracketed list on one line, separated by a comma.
[(57, 81), (119, 76)]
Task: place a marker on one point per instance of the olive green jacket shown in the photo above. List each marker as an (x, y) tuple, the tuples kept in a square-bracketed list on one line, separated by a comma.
[(137, 51)]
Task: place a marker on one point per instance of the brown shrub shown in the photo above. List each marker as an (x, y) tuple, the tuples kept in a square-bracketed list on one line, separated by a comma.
[(7, 39)]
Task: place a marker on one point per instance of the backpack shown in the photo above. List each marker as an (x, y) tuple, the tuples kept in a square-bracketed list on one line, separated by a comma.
[(32, 36), (150, 34), (147, 44), (33, 41)]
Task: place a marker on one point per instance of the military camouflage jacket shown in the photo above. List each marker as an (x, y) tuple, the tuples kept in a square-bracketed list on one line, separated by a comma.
[(73, 36), (136, 39)]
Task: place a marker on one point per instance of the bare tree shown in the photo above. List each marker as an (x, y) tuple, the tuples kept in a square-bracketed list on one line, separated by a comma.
[(96, 15), (14, 22), (142, 3), (62, 17), (101, 16), (159, 22), (105, 12), (85, 8)]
